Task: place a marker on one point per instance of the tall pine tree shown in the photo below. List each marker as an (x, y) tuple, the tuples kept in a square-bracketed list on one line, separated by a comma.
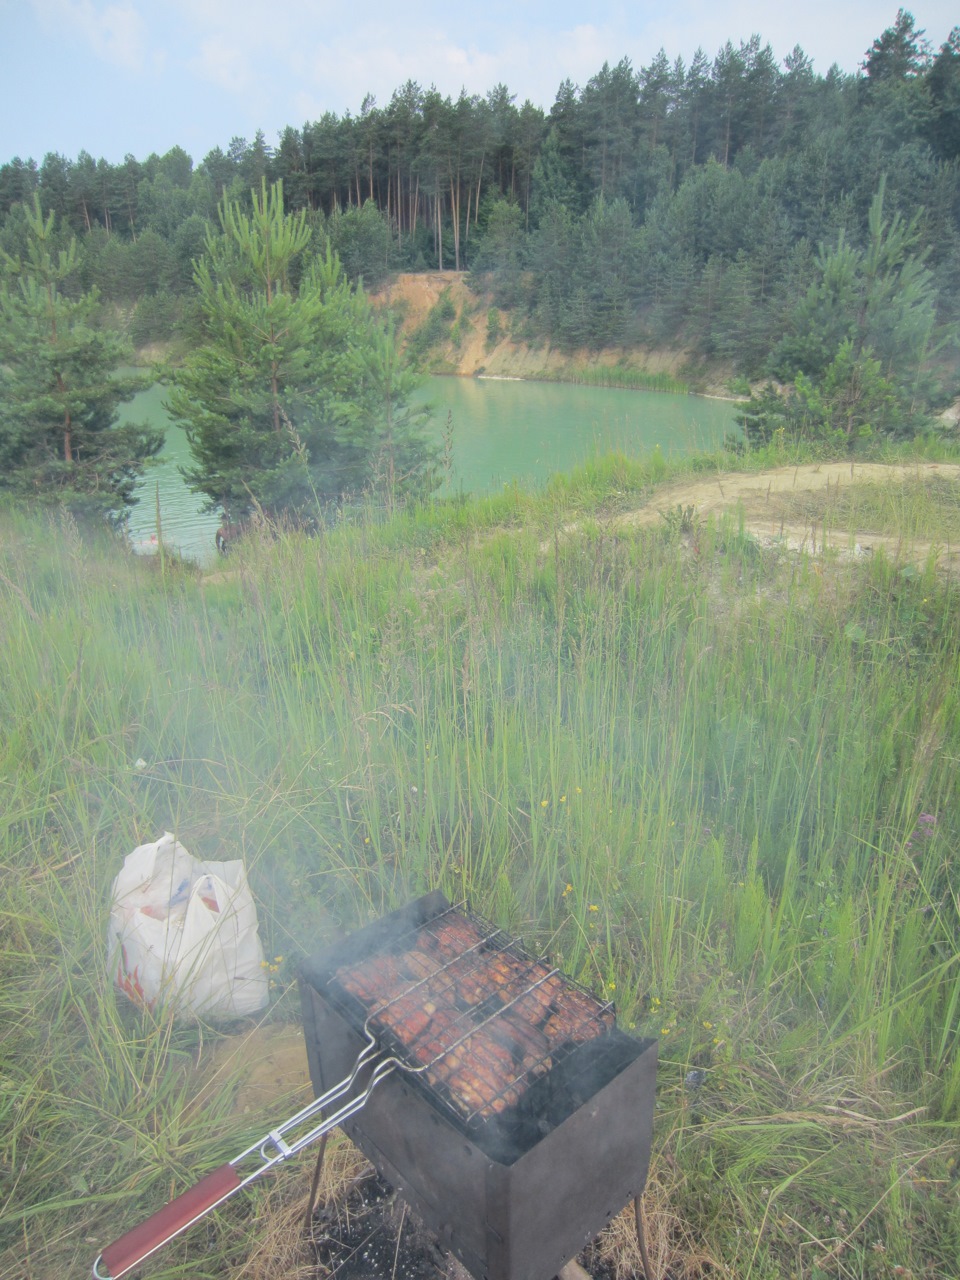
[(295, 395), (60, 442)]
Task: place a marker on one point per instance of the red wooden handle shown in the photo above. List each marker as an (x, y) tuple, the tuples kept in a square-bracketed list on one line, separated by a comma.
[(162, 1226)]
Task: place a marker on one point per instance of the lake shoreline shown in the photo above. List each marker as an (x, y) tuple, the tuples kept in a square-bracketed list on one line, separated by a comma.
[(507, 429), (467, 350), (144, 362), (469, 347), (597, 386)]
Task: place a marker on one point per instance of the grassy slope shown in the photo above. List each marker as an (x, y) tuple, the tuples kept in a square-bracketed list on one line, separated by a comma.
[(718, 781)]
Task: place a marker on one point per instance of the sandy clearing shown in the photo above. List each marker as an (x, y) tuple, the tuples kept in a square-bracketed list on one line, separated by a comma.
[(757, 495), (269, 1063)]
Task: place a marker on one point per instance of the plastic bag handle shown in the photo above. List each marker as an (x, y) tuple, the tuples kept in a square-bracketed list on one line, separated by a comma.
[(142, 1240)]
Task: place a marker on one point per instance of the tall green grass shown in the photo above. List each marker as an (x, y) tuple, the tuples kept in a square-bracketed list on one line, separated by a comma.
[(716, 783), (626, 379)]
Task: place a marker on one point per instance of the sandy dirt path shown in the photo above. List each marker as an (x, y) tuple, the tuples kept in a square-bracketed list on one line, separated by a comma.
[(760, 495)]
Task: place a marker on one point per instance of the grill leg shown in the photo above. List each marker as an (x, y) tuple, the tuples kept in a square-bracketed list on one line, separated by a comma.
[(641, 1241), (316, 1182)]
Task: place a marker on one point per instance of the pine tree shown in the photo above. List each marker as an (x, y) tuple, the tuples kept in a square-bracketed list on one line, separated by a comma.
[(293, 396), (882, 298), (860, 341), (500, 252), (944, 85), (899, 53), (60, 389)]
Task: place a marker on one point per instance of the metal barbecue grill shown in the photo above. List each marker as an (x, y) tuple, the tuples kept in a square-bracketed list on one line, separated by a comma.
[(460, 1003), (495, 1093)]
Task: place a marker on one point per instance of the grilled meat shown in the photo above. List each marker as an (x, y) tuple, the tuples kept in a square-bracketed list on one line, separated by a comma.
[(472, 1012), (378, 978)]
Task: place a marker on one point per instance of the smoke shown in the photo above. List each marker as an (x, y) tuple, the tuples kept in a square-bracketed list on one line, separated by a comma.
[(557, 1087)]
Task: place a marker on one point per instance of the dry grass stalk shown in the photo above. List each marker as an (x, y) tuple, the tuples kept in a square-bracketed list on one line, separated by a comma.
[(280, 1250), (670, 1242)]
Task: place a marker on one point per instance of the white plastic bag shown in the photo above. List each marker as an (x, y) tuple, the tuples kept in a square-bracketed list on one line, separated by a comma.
[(185, 932)]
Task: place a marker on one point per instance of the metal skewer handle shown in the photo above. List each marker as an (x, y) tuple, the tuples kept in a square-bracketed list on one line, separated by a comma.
[(215, 1188)]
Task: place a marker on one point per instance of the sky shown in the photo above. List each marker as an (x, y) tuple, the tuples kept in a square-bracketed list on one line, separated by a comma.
[(114, 77)]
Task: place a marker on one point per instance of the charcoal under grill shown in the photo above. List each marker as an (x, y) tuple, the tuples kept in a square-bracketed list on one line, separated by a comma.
[(520, 1118)]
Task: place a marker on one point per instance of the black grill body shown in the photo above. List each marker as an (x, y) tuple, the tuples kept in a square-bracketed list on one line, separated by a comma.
[(515, 1198)]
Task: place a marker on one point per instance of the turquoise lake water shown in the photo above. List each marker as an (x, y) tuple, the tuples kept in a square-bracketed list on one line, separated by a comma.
[(503, 431)]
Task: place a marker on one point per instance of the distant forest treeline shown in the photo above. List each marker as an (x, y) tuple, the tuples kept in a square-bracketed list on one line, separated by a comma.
[(679, 202)]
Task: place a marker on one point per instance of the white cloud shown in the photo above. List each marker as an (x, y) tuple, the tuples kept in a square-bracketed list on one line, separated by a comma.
[(209, 67), (223, 65), (120, 35), (334, 74), (259, 27), (115, 32)]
